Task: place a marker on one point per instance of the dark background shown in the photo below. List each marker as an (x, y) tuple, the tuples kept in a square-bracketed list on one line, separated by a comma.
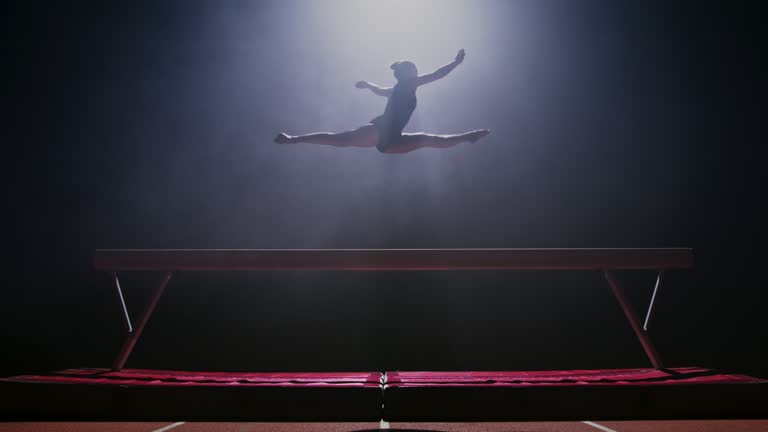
[(143, 125)]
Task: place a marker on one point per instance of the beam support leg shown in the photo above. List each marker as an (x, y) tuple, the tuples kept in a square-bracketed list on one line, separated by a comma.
[(654, 296), (123, 308), (133, 336), (634, 321)]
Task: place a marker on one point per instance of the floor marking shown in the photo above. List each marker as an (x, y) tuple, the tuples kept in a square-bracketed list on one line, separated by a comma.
[(383, 425), (163, 429), (598, 426)]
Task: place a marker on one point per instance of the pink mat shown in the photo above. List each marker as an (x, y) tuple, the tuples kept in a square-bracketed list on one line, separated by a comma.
[(604, 377), (143, 377), (101, 394)]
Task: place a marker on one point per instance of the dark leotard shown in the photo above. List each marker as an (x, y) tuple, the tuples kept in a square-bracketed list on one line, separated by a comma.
[(399, 108)]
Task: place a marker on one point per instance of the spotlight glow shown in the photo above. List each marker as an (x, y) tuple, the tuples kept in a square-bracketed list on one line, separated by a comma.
[(424, 30)]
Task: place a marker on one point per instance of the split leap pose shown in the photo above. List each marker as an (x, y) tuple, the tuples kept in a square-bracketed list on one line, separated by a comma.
[(385, 132)]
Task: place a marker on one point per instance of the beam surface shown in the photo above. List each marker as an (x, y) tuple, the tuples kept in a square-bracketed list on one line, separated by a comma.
[(390, 259)]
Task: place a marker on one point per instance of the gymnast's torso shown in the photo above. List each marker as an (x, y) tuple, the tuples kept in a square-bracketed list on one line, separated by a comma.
[(400, 106)]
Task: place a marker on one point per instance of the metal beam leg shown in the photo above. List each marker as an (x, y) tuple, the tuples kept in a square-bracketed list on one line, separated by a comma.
[(632, 317), (133, 336), (656, 287), (123, 308)]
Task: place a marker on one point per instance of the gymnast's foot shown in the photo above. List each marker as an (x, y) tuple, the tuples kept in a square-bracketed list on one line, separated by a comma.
[(284, 138), (476, 135)]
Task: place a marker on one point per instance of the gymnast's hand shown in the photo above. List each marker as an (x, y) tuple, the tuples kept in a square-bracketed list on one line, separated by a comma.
[(460, 56), (362, 84)]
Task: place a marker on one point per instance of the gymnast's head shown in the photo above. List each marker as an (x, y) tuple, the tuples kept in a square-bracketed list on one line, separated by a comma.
[(404, 70)]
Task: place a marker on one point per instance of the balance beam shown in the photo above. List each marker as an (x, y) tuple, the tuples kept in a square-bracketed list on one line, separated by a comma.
[(389, 259), (169, 261)]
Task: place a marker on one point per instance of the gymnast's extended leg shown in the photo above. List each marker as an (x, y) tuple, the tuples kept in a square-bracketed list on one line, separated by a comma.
[(365, 136), (411, 141)]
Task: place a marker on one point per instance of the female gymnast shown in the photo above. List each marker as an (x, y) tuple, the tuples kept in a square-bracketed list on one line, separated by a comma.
[(385, 132)]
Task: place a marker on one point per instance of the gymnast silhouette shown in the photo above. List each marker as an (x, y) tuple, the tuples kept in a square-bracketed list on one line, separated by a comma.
[(385, 132)]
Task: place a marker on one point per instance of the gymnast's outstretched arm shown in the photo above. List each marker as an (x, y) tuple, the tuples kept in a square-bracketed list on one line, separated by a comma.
[(442, 71), (381, 91)]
